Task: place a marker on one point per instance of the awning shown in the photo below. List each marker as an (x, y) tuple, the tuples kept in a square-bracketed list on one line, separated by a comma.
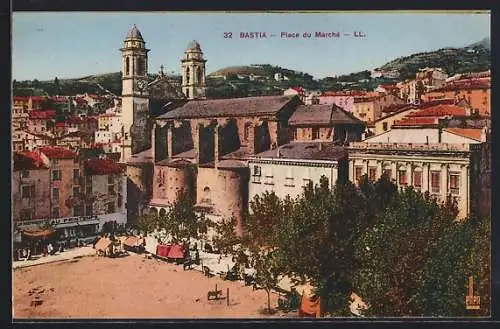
[(41, 233), (132, 241), (310, 306), (176, 252), (103, 244)]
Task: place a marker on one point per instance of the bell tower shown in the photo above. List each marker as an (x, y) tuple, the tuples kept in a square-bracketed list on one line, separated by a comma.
[(135, 96), (193, 72)]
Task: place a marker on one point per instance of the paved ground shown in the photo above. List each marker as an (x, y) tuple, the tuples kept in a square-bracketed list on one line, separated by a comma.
[(65, 255)]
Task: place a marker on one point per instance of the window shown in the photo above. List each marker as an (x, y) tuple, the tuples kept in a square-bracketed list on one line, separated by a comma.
[(28, 191), (55, 193), (269, 177), (256, 174), (387, 172), (305, 182), (76, 173), (111, 179), (78, 210), (187, 77), (294, 133), (26, 214), (402, 178), (55, 212), (88, 210), (454, 183), (199, 75), (372, 174), (127, 66), (111, 190), (56, 175), (315, 133), (111, 207), (417, 180), (76, 191), (384, 126), (357, 173), (289, 182), (25, 174), (435, 181)]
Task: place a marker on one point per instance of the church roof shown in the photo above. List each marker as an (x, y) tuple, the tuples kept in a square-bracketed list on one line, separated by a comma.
[(134, 33), (232, 107), (194, 45)]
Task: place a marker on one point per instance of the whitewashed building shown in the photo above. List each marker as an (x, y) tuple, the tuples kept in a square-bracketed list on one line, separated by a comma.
[(289, 168)]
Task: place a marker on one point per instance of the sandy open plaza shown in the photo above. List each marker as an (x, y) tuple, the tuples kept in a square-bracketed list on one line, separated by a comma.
[(128, 287)]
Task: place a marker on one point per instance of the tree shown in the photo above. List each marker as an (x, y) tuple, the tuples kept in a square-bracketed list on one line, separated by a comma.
[(267, 271), (390, 275), (57, 86), (464, 250), (226, 238), (266, 211), (315, 241)]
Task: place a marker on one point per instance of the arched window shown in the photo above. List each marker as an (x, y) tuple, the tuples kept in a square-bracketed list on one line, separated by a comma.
[(140, 66), (187, 75), (153, 212), (127, 66), (163, 212), (199, 75)]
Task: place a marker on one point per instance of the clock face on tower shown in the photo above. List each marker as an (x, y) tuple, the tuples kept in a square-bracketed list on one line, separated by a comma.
[(141, 84)]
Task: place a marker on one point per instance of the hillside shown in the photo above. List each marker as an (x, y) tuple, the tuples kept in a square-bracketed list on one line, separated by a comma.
[(475, 57), (258, 79)]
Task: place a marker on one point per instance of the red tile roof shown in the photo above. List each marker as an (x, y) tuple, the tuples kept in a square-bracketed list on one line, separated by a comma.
[(472, 133), (415, 121), (21, 98), (28, 161), (343, 93), (466, 84), (42, 115), (102, 167), (56, 152), (440, 110)]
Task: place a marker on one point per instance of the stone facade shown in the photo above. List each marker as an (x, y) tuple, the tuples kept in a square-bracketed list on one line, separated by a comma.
[(440, 169)]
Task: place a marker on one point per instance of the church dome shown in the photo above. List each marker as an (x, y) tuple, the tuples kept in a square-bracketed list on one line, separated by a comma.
[(134, 33), (194, 45)]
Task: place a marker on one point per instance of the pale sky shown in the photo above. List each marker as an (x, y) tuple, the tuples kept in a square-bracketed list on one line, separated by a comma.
[(76, 44)]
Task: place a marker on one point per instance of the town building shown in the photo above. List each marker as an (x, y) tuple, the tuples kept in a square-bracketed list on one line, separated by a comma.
[(432, 78), (343, 99), (289, 168), (19, 118), (41, 121), (438, 168), (324, 123), (368, 107), (23, 140), (30, 187), (105, 190), (477, 92)]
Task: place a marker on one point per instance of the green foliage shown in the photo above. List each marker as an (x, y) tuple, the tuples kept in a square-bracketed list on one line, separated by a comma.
[(266, 211), (464, 250), (315, 240), (226, 238), (390, 275), (180, 221)]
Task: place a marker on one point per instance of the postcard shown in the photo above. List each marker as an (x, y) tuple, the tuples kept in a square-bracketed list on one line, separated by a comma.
[(251, 165)]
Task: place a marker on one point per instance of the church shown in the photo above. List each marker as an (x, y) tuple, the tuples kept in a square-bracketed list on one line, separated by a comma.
[(176, 139)]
